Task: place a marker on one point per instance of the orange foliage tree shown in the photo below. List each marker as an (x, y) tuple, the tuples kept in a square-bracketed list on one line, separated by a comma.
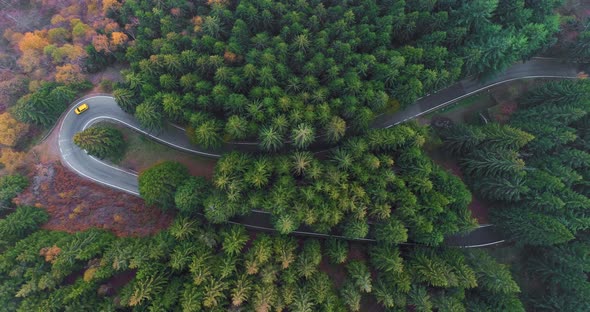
[(110, 4), (33, 42), (69, 73), (50, 253), (11, 159), (118, 38), (11, 130), (101, 43)]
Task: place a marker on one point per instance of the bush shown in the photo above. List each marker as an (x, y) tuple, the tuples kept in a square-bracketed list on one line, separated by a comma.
[(106, 85)]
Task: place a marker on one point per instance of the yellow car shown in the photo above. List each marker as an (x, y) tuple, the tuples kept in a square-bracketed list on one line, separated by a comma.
[(80, 109)]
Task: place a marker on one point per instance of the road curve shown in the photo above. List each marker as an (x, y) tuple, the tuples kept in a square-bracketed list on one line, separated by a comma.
[(535, 68), (104, 108)]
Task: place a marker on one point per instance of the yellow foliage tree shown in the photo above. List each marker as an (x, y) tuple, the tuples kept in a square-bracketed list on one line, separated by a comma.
[(33, 42), (11, 159), (57, 19), (11, 130), (118, 38), (59, 35), (69, 73), (110, 4), (73, 53), (81, 31), (29, 61)]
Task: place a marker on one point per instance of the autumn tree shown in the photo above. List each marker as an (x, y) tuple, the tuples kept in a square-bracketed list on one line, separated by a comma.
[(11, 159), (11, 130)]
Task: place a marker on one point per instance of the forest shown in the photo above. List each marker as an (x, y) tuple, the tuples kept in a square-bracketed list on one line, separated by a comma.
[(303, 80), (534, 171), (381, 183), (193, 266), (289, 73)]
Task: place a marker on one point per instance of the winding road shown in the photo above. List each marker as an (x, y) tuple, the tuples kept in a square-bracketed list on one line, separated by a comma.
[(104, 108)]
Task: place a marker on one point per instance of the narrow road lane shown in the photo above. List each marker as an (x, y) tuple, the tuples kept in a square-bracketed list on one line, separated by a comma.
[(535, 68)]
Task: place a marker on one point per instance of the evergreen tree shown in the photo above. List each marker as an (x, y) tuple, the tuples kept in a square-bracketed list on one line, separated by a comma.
[(101, 141), (337, 250), (158, 184), (149, 115), (190, 196), (208, 134), (10, 187)]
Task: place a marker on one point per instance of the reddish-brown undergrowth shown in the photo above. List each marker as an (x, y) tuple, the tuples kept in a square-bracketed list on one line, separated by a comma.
[(75, 204)]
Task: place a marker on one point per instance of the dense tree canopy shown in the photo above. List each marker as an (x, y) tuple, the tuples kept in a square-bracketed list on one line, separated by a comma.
[(198, 267), (298, 72), (384, 178), (534, 171), (44, 105), (158, 184)]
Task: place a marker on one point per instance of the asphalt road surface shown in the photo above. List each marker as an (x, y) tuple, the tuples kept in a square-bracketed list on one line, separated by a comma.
[(104, 108)]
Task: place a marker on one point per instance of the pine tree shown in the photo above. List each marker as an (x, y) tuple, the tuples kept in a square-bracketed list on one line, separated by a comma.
[(240, 292), (302, 136), (555, 92), (360, 275), (511, 188), (496, 287), (284, 250), (337, 250), (10, 186), (234, 239), (386, 258), (493, 163), (101, 141), (149, 115), (208, 134), (270, 138), (335, 129), (391, 231), (527, 227)]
